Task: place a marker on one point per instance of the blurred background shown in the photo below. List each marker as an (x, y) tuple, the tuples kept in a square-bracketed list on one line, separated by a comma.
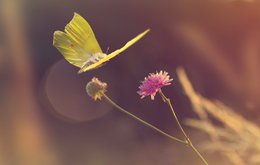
[(48, 119)]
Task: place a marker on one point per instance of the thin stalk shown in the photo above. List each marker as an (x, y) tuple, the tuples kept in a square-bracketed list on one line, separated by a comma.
[(141, 121), (188, 141)]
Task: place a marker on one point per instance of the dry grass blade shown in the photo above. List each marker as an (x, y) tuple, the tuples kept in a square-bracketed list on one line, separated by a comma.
[(237, 139)]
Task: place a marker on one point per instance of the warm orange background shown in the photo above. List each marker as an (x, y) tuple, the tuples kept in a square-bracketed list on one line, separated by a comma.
[(48, 119)]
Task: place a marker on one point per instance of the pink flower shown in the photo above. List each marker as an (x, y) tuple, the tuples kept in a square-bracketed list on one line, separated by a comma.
[(153, 83)]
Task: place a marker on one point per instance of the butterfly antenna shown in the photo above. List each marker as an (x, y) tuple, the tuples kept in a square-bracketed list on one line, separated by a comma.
[(107, 49)]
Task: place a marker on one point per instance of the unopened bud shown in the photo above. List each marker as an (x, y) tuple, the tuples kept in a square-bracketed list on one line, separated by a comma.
[(95, 88)]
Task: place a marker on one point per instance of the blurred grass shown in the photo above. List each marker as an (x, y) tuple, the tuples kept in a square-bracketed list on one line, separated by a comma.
[(230, 134)]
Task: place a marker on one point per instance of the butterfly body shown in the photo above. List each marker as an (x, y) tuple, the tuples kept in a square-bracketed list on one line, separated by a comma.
[(94, 58), (79, 46)]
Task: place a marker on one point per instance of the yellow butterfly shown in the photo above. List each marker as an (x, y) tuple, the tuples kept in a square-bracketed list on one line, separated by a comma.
[(79, 46)]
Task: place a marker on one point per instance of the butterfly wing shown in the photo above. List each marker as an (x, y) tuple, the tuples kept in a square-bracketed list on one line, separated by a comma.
[(78, 42), (115, 53)]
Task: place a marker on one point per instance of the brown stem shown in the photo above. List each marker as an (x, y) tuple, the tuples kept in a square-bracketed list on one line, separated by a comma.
[(188, 141), (141, 121)]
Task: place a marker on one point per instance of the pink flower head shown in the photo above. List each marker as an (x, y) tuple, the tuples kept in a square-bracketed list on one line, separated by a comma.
[(153, 83)]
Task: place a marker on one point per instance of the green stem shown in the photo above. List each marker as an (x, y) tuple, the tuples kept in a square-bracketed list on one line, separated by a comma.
[(141, 121), (188, 141)]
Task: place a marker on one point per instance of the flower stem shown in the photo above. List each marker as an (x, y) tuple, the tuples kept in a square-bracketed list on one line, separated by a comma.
[(141, 121), (188, 141)]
